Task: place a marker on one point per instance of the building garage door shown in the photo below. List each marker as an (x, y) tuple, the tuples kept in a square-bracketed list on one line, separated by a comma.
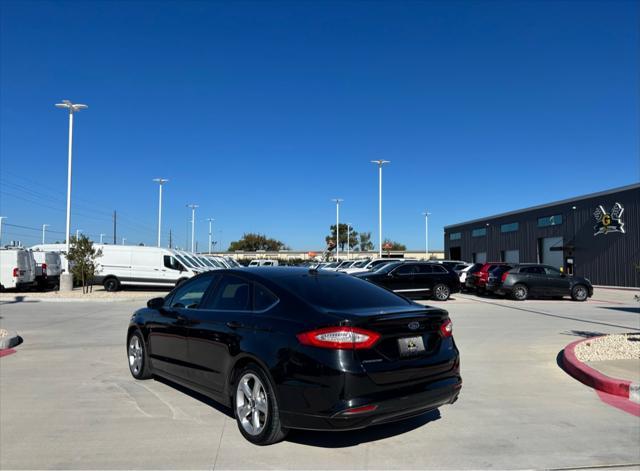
[(511, 256), (550, 251)]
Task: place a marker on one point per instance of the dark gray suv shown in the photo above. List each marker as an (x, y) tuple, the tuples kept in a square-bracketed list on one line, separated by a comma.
[(533, 280)]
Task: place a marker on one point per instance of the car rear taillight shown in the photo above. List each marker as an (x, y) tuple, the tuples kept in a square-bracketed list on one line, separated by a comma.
[(44, 266), (16, 272), (504, 276), (446, 329), (342, 338)]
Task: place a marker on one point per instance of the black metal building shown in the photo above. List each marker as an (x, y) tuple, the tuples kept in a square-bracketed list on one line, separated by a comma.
[(596, 236)]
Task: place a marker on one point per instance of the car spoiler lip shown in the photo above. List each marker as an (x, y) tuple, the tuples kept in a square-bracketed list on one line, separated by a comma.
[(357, 315)]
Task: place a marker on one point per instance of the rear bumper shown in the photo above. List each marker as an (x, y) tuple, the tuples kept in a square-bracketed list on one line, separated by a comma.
[(396, 405)]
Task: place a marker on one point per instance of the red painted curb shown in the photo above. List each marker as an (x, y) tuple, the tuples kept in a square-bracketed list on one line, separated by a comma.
[(591, 377), (6, 351)]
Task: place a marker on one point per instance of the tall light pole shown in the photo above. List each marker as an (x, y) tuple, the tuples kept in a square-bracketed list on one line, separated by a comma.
[(101, 236), (44, 229), (78, 231), (1, 219), (348, 238), (337, 201), (426, 215), (193, 225), (67, 280), (210, 232), (160, 181), (380, 163)]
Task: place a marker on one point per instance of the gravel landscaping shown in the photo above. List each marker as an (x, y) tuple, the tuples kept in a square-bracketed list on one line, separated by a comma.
[(610, 347)]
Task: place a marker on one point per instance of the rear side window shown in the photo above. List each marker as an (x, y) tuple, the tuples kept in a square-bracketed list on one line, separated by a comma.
[(426, 268), (533, 270), (439, 269), (262, 298), (341, 292), (231, 294), (405, 269)]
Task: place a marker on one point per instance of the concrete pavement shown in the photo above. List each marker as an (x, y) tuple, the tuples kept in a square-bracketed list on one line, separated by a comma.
[(67, 400)]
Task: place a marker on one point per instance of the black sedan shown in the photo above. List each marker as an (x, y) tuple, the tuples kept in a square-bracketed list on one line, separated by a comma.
[(298, 348), (416, 279), (533, 280)]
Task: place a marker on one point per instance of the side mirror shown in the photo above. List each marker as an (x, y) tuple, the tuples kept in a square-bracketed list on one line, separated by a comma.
[(155, 303)]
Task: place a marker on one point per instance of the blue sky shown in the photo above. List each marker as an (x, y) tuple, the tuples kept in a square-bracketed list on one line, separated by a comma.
[(262, 112)]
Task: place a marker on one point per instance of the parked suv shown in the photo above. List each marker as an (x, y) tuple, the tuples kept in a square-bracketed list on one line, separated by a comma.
[(531, 280), (494, 282), (478, 280), (416, 279)]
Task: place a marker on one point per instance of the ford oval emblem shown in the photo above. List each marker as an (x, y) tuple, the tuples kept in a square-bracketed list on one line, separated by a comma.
[(414, 325)]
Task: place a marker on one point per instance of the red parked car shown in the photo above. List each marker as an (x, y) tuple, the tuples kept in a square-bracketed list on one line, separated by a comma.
[(478, 280)]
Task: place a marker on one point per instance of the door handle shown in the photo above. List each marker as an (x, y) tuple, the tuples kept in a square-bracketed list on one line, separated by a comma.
[(234, 324), (182, 319)]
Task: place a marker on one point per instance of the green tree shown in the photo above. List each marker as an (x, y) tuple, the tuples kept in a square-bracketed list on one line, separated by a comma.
[(83, 263), (250, 242), (365, 241), (393, 245), (331, 238)]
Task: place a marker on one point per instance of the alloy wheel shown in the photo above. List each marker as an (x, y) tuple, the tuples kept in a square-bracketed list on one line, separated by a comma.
[(135, 355), (252, 406), (442, 293), (580, 293)]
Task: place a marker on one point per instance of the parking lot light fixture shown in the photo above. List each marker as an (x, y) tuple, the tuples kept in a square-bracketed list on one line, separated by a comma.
[(44, 230), (337, 201), (426, 215), (160, 181), (73, 108), (380, 163), (210, 232), (193, 226)]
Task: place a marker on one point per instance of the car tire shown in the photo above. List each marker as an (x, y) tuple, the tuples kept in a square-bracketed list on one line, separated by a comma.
[(579, 293), (137, 357), (111, 284), (256, 408), (441, 292), (480, 292), (520, 292)]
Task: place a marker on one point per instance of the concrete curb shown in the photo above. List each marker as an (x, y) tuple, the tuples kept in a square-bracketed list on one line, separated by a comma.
[(593, 378), (10, 341)]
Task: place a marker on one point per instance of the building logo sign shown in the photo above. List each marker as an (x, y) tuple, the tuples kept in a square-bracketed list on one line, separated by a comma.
[(608, 222)]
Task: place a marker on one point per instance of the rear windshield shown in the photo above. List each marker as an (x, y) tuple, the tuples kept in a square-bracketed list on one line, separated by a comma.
[(338, 292)]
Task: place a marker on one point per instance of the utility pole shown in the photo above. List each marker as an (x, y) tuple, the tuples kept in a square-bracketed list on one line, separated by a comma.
[(210, 231), (66, 278), (337, 201), (193, 225), (426, 215), (1, 219), (170, 239), (44, 230), (114, 227), (380, 163), (161, 181)]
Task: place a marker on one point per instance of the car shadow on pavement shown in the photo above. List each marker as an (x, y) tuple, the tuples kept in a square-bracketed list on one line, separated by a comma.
[(344, 439), (587, 334), (196, 395)]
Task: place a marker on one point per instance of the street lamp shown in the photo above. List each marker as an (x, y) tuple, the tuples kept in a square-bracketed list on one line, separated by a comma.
[(160, 181), (193, 225), (337, 201), (66, 283), (1, 219), (348, 238), (210, 231), (380, 163), (426, 215), (44, 229)]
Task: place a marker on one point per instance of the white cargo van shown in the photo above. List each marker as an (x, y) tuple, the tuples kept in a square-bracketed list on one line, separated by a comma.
[(48, 268), (17, 268), (133, 265)]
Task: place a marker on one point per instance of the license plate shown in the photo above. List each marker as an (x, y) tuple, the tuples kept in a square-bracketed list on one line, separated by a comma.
[(410, 346)]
